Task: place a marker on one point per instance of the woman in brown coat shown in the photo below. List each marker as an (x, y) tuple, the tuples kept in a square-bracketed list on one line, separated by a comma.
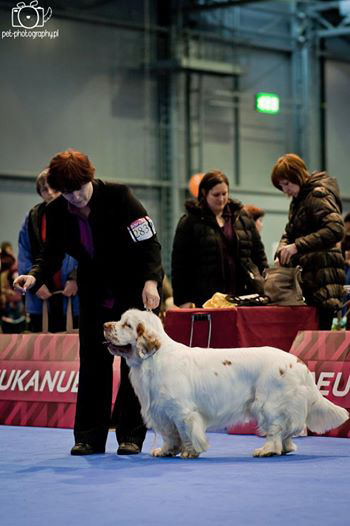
[(312, 234)]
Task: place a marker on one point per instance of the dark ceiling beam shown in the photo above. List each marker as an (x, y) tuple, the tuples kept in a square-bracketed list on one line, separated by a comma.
[(219, 5), (325, 6)]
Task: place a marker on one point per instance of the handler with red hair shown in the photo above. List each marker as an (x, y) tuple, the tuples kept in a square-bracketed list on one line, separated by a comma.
[(107, 230)]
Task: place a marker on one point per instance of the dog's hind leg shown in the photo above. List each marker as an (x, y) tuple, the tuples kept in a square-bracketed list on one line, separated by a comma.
[(273, 444)]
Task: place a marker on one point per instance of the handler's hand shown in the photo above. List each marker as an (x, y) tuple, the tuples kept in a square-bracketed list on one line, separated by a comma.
[(43, 293), (150, 296), (287, 252), (70, 288), (24, 282)]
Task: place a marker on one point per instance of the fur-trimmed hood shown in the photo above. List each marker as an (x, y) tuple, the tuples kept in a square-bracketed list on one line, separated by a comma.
[(193, 206)]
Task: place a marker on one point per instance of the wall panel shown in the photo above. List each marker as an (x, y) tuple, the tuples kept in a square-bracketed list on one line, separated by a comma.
[(337, 124)]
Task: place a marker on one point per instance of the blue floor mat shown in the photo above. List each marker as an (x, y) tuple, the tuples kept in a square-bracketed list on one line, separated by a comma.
[(41, 484)]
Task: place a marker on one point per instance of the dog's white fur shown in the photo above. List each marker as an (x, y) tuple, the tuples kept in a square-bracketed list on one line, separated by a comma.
[(185, 391)]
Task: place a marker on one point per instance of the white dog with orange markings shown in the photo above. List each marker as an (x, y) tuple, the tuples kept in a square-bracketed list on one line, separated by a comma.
[(185, 391)]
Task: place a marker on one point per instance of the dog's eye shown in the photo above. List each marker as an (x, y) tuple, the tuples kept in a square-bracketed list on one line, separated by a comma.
[(126, 324)]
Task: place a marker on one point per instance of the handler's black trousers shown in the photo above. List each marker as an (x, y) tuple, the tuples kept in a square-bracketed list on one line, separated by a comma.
[(93, 410)]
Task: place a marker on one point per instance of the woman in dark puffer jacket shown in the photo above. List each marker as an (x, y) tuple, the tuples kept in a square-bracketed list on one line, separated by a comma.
[(313, 233), (216, 247)]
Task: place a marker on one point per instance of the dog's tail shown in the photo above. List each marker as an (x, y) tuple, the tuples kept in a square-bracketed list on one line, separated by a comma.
[(322, 415)]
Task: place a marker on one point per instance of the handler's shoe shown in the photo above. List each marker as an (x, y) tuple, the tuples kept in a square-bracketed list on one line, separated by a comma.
[(128, 448), (84, 449)]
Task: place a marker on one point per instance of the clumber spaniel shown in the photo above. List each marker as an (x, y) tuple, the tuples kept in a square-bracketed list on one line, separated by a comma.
[(185, 391)]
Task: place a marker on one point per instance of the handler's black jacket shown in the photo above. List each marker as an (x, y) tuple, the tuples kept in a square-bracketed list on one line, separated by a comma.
[(121, 263)]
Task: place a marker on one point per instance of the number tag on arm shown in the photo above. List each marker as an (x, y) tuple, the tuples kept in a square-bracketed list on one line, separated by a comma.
[(141, 229)]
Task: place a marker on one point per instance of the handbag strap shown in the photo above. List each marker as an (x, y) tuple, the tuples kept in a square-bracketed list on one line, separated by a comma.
[(297, 277)]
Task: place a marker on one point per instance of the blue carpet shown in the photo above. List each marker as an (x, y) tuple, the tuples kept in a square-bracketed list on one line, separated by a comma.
[(41, 484)]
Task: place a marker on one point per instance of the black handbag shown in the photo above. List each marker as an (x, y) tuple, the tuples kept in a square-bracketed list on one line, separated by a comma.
[(282, 285)]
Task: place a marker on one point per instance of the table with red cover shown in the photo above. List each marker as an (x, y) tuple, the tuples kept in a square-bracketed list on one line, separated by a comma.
[(241, 326)]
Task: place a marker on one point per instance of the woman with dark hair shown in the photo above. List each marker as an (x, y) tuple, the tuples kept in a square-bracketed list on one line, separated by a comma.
[(107, 230), (313, 233), (30, 241), (217, 247)]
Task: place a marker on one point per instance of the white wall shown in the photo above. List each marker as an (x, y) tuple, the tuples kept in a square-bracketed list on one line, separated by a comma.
[(83, 89)]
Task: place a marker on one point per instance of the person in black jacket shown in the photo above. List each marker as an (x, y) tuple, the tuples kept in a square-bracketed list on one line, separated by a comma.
[(30, 241), (313, 234), (107, 230), (217, 247)]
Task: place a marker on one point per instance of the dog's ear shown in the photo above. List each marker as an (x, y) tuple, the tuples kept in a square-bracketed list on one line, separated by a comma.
[(147, 341)]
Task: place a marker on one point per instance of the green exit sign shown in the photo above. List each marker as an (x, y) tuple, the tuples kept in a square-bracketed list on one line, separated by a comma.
[(267, 103)]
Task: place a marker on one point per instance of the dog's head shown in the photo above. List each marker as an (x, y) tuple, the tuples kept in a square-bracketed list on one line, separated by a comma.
[(135, 337)]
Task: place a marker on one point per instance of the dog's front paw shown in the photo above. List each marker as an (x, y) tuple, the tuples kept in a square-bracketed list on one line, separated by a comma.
[(189, 454), (161, 452), (158, 452)]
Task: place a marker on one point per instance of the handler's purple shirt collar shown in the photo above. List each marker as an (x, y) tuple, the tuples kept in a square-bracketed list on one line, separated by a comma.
[(85, 229), (87, 242)]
